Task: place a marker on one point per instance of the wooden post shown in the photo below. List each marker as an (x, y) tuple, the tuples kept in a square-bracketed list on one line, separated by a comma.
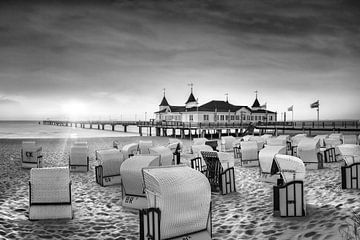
[(99, 126), (90, 125), (157, 131), (125, 128), (182, 133), (112, 127), (140, 131)]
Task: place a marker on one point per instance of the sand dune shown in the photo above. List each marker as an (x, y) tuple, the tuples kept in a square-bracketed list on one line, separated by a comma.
[(246, 214)]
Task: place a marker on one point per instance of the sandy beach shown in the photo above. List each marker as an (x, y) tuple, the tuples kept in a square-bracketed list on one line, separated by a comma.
[(98, 214)]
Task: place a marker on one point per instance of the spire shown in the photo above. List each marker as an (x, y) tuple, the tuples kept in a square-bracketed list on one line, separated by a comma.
[(164, 102), (191, 102), (227, 97), (256, 103)]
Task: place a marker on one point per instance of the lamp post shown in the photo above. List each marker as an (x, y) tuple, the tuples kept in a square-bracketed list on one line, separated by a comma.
[(145, 116)]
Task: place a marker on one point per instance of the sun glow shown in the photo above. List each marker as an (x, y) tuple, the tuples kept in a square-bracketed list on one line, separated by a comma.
[(74, 110)]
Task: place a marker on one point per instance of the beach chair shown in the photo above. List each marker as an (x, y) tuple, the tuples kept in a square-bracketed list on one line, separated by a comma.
[(176, 146), (144, 146), (350, 139), (179, 204), (259, 141), (236, 147), (116, 144), (196, 151), (165, 154), (31, 155), (309, 153), (321, 139), (50, 193), (220, 177), (288, 194), (227, 143), (199, 141), (249, 154), (197, 164), (266, 157), (333, 142), (350, 172), (132, 185), (79, 157), (130, 149), (107, 172)]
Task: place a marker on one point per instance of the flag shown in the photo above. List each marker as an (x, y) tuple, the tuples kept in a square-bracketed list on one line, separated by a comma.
[(315, 104), (290, 109), (263, 106)]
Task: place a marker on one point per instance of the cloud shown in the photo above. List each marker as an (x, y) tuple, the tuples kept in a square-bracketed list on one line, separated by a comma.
[(4, 101)]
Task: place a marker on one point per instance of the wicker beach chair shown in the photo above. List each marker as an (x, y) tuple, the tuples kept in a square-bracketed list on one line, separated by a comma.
[(350, 172), (144, 146), (259, 140), (220, 177), (249, 154), (176, 146), (130, 149), (50, 193), (107, 172), (179, 204), (196, 151), (79, 157), (227, 144), (165, 154), (288, 194), (266, 157), (350, 139), (309, 153), (334, 142), (199, 141), (133, 195), (321, 139), (31, 155)]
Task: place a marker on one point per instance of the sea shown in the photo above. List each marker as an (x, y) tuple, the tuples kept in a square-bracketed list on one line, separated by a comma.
[(36, 130)]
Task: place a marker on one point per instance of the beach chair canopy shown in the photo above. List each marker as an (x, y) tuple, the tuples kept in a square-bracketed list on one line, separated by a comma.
[(50, 185), (290, 168), (249, 150), (321, 138), (131, 174), (227, 143), (199, 141), (111, 160), (276, 141), (175, 143), (350, 153), (266, 136), (295, 140), (284, 137), (165, 154), (182, 194), (266, 157), (144, 146), (336, 135), (195, 149), (332, 142), (130, 149), (259, 140), (308, 149), (30, 146), (350, 139)]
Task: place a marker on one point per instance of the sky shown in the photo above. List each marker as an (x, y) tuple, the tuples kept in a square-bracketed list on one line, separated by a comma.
[(112, 59)]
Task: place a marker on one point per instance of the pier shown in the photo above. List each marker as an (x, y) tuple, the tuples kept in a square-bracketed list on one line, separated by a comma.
[(217, 129)]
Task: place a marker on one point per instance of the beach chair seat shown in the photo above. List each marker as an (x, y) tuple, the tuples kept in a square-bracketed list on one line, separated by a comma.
[(249, 154), (220, 177), (165, 154), (328, 155), (266, 157), (179, 204), (350, 172), (288, 194), (50, 193), (107, 172), (197, 164), (79, 157), (132, 184), (227, 143), (144, 146), (31, 155), (130, 149), (309, 153)]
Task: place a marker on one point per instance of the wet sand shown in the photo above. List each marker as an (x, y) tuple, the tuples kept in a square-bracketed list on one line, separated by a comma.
[(246, 214)]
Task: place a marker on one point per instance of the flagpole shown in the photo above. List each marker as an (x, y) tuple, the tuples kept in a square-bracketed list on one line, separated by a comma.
[(318, 115), (292, 115)]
